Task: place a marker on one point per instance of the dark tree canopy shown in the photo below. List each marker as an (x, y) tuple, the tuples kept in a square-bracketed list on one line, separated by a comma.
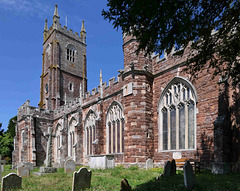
[(212, 27)]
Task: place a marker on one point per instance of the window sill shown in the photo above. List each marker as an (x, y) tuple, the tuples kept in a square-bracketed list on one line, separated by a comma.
[(179, 150)]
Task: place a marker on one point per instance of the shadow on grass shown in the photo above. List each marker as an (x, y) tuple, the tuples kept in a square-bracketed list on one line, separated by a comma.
[(175, 182), (205, 181)]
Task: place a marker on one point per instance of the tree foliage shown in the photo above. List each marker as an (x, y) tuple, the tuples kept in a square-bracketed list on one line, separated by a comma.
[(6, 139), (160, 25)]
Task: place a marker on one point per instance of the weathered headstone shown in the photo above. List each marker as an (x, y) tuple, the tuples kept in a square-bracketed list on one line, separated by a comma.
[(149, 164), (70, 166), (11, 181), (173, 167), (44, 169), (189, 177), (125, 185), (167, 169), (27, 164), (2, 162), (81, 179), (23, 171)]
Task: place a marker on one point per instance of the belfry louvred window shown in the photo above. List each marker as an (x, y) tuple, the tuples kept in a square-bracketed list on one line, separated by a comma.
[(177, 114), (71, 53)]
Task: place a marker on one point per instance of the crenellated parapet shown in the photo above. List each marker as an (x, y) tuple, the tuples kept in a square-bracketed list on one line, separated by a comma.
[(104, 87), (70, 106), (64, 30), (175, 58), (26, 110)]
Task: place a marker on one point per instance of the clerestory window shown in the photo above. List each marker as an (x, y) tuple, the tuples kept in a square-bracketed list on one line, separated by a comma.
[(177, 114)]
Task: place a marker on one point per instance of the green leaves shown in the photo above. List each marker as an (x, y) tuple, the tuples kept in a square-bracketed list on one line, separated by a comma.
[(6, 139), (163, 24)]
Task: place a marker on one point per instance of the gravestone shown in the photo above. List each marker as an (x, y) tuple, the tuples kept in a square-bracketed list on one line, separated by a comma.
[(173, 167), (44, 169), (23, 171), (11, 181), (167, 169), (125, 185), (2, 162), (70, 166), (149, 164), (27, 164), (189, 177), (81, 179)]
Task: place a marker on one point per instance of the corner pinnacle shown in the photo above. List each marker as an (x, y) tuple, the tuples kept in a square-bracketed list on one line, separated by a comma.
[(83, 27), (56, 11), (46, 26)]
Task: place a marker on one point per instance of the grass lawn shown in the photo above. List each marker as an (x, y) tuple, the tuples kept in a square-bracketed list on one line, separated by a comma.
[(139, 179)]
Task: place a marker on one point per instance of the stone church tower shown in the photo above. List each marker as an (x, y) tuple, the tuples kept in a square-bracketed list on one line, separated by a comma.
[(63, 64)]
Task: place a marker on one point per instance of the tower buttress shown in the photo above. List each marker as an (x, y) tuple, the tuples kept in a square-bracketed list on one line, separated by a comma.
[(137, 77)]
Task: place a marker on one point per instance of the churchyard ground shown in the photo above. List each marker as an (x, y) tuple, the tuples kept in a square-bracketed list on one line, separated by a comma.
[(139, 179)]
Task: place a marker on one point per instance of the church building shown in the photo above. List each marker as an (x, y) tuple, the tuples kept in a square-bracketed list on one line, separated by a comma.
[(151, 110)]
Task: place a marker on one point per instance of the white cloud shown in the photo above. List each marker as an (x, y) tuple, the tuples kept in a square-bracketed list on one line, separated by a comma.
[(26, 7)]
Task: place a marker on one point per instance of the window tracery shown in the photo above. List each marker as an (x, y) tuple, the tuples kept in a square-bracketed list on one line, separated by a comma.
[(90, 129), (178, 116), (115, 129), (72, 139)]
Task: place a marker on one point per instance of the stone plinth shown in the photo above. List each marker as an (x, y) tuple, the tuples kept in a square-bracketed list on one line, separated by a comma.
[(102, 162)]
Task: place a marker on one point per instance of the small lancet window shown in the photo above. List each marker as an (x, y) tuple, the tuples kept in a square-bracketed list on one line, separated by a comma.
[(46, 88), (70, 87)]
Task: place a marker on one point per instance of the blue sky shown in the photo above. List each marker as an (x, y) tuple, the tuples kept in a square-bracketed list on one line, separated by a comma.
[(21, 37)]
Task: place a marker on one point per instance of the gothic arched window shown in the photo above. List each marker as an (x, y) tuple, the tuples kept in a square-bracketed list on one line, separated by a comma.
[(90, 132), (177, 114), (71, 53), (72, 139), (115, 129)]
